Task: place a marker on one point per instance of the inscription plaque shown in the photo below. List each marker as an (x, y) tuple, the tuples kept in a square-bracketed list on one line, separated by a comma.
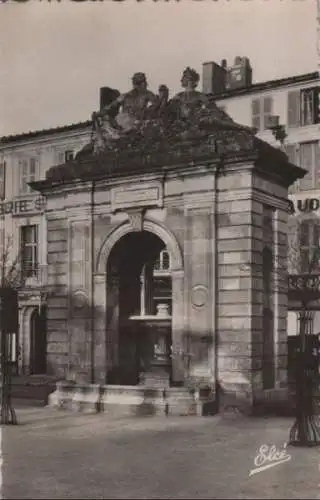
[(138, 195)]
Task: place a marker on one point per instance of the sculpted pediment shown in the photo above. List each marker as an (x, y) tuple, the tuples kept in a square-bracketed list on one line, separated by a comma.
[(142, 120), (140, 131)]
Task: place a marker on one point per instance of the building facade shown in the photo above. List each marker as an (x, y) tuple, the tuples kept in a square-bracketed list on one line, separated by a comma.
[(289, 107), (23, 244)]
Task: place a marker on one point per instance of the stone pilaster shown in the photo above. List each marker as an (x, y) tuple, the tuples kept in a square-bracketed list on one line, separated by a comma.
[(199, 287), (281, 298), (80, 307), (178, 325), (99, 332)]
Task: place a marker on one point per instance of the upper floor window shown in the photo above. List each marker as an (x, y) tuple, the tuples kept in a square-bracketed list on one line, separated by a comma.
[(163, 261), (28, 172), (261, 112), (2, 180), (64, 156), (29, 251), (303, 107)]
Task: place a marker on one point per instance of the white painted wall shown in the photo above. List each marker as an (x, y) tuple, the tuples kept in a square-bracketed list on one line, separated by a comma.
[(46, 148), (239, 108)]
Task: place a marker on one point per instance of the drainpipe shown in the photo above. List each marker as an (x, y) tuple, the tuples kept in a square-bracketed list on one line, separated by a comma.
[(218, 169), (92, 306)]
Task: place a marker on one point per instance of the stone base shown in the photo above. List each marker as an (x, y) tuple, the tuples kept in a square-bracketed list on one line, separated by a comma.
[(76, 397), (156, 379), (180, 401), (124, 400), (156, 399)]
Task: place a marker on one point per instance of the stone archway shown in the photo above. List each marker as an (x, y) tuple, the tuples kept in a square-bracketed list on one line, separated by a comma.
[(100, 295), (148, 225)]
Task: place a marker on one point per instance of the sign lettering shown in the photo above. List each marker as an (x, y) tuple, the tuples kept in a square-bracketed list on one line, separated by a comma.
[(306, 205), (21, 207)]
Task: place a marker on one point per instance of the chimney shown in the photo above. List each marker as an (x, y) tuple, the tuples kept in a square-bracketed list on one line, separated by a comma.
[(240, 74), (107, 95), (213, 77)]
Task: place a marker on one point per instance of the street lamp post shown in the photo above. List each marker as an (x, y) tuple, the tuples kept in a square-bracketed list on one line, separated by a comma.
[(305, 431)]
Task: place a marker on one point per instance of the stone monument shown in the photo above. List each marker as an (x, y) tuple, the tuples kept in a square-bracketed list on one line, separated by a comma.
[(174, 173)]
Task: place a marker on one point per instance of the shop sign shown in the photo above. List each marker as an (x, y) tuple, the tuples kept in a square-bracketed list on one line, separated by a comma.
[(304, 206), (22, 207)]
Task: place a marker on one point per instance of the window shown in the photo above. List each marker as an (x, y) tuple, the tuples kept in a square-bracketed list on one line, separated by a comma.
[(29, 251), (68, 155), (2, 180), (303, 107), (309, 159), (28, 171), (261, 112), (64, 156), (309, 106), (309, 239), (163, 261)]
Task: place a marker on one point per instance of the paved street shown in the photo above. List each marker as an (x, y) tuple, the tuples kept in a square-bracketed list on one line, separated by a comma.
[(61, 455)]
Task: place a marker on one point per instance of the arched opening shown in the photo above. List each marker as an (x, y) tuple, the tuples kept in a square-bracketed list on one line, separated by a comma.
[(139, 306), (38, 342)]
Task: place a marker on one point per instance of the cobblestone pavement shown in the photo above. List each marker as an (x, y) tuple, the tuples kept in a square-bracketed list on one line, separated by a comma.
[(55, 454)]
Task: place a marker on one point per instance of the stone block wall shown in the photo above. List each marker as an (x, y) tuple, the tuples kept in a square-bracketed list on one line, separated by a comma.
[(241, 290)]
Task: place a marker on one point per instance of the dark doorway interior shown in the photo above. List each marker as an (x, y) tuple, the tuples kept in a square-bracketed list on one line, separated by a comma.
[(38, 342), (133, 291)]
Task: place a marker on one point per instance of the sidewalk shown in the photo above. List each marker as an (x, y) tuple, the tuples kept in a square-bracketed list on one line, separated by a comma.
[(57, 454)]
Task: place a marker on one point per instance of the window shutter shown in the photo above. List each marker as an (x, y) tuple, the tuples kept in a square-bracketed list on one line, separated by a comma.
[(60, 157), (2, 180), (317, 164), (316, 117), (291, 152), (267, 111), (294, 108), (307, 162), (255, 108)]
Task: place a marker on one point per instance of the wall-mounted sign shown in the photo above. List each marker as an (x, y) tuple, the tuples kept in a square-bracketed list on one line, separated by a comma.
[(22, 207), (306, 205)]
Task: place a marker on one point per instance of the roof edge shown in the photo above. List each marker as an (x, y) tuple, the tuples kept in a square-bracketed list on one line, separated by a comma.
[(8, 139)]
